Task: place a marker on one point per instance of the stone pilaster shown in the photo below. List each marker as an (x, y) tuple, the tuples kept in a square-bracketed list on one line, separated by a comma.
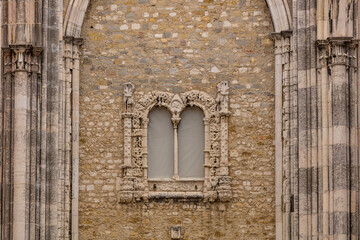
[(283, 106), (70, 129)]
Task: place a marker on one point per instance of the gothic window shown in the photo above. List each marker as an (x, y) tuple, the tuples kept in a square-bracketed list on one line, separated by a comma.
[(175, 146)]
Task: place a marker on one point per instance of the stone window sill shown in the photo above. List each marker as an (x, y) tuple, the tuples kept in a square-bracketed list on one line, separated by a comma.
[(180, 185)]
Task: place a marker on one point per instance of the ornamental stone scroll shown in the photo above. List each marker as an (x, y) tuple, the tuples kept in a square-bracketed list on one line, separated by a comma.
[(134, 184)]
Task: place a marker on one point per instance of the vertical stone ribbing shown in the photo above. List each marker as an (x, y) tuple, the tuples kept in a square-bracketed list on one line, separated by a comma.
[(71, 120), (75, 140), (282, 132), (7, 196), (323, 85), (52, 71), (287, 106), (21, 42)]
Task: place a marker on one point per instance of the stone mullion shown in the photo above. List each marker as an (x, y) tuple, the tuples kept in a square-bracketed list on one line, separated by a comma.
[(340, 140), (176, 121)]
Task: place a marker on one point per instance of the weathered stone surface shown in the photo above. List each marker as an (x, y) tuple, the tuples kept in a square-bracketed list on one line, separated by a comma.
[(176, 47), (310, 78)]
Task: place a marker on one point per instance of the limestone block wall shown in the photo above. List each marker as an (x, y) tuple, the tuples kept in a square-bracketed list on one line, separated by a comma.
[(177, 46)]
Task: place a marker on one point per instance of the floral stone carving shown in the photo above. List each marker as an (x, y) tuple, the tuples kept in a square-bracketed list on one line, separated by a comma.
[(134, 184)]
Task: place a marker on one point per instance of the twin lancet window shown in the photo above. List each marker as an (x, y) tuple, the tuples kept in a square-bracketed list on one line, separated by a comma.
[(175, 146)]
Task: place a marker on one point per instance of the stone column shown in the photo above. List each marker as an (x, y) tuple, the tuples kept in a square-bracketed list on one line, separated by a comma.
[(339, 151), (20, 145), (176, 121), (21, 139), (25, 61)]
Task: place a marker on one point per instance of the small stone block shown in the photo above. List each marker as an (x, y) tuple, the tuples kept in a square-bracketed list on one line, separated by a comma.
[(175, 232)]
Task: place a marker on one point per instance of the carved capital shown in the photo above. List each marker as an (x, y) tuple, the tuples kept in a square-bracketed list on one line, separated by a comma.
[(22, 58), (72, 47), (175, 121), (323, 52), (282, 41), (336, 51), (339, 50)]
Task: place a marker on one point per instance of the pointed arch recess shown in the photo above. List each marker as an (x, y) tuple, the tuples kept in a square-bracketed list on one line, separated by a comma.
[(281, 18), (76, 11)]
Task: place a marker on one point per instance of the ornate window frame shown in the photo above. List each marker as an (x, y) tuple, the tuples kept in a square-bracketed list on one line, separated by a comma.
[(134, 183)]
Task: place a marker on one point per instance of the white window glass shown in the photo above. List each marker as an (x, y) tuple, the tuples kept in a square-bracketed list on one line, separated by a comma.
[(191, 143), (160, 144)]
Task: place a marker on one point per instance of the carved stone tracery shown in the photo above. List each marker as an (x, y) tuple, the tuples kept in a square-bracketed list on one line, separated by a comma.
[(135, 185)]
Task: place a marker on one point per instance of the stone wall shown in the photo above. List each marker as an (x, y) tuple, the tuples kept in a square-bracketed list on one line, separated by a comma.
[(177, 46)]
